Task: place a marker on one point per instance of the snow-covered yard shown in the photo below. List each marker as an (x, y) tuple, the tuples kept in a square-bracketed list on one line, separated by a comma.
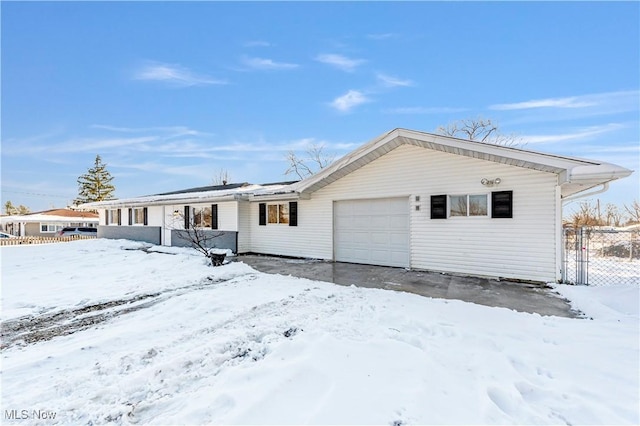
[(102, 331)]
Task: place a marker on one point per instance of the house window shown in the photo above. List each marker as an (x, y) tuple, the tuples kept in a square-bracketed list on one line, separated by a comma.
[(468, 205), (278, 213), (49, 227), (201, 217), (138, 216), (113, 217)]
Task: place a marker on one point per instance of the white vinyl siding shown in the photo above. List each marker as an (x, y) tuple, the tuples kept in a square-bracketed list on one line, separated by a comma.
[(523, 247), (228, 216), (244, 227), (154, 215)]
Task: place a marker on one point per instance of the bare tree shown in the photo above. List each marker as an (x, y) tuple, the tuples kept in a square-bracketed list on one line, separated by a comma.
[(199, 237), (613, 215), (587, 215), (222, 177), (314, 161), (479, 130), (633, 211)]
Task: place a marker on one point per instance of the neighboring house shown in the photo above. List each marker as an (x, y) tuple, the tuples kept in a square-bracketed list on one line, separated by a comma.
[(406, 199), (46, 223)]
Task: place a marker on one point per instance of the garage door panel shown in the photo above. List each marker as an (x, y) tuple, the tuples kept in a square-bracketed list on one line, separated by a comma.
[(372, 231)]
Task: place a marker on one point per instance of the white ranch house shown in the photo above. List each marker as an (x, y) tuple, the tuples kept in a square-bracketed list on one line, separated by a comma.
[(406, 199)]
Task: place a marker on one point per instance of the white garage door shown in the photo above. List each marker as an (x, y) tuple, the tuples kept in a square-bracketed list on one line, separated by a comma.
[(375, 232)]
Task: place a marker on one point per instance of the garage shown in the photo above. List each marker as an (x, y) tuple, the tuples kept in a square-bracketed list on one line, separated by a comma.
[(373, 231)]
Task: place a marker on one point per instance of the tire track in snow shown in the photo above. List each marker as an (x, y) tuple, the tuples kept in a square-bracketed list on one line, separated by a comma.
[(32, 329)]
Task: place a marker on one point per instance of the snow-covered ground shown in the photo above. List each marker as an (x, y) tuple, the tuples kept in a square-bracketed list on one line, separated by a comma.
[(101, 331)]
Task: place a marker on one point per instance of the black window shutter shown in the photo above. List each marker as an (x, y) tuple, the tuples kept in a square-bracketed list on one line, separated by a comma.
[(130, 217), (502, 204), (262, 216), (119, 217), (293, 213), (214, 216), (106, 217), (438, 207), (145, 214), (187, 219)]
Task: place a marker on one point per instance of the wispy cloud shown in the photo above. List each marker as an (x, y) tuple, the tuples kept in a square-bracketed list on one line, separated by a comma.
[(267, 64), (579, 134), (381, 36), (171, 131), (338, 61), (423, 110), (349, 100), (572, 102), (390, 81), (257, 43), (173, 74), (583, 101)]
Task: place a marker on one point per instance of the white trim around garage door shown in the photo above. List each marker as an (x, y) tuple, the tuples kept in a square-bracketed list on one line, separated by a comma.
[(372, 231)]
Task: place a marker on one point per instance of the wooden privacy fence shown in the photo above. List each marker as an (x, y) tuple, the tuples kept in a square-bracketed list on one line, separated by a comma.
[(43, 240)]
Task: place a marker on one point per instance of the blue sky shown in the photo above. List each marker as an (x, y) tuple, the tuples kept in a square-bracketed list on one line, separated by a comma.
[(170, 93)]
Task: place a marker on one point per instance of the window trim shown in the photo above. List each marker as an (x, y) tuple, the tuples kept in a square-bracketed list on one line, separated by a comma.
[(133, 216), (49, 225), (468, 205), (114, 217), (279, 214), (263, 218), (198, 211)]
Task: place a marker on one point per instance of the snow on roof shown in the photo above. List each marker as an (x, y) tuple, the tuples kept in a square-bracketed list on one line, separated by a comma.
[(194, 195), (41, 217), (53, 215)]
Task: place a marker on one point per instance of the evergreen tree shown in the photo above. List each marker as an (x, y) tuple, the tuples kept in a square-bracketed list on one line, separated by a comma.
[(10, 209), (95, 185)]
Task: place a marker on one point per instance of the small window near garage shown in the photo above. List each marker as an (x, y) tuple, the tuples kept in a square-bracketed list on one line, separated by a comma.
[(502, 204), (278, 213), (468, 205)]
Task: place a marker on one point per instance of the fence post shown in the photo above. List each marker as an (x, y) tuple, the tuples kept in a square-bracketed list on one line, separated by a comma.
[(583, 258)]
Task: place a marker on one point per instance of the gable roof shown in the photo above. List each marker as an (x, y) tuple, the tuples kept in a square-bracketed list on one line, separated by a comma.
[(575, 174)]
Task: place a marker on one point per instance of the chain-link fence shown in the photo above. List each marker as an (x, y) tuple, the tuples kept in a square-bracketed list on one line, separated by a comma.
[(597, 256)]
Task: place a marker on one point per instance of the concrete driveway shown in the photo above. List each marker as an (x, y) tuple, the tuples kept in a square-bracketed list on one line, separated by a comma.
[(520, 297)]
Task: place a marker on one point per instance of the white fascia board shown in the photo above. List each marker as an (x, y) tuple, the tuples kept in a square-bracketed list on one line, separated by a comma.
[(289, 196), (601, 173)]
